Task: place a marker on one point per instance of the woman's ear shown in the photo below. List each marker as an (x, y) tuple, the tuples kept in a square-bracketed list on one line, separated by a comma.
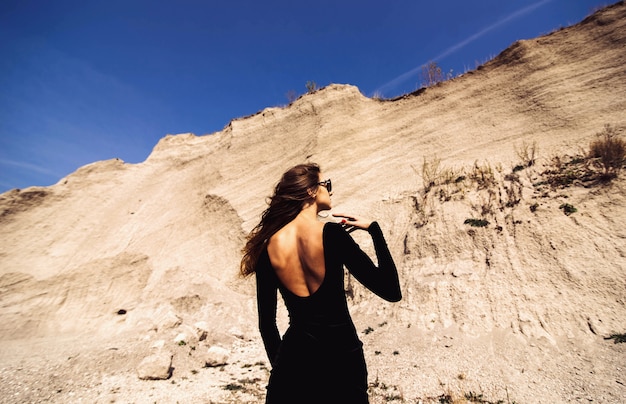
[(311, 193)]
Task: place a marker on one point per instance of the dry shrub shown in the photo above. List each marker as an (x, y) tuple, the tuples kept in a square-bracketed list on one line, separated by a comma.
[(527, 153), (311, 87), (432, 74), (564, 171), (292, 96), (482, 175), (609, 150), (430, 173)]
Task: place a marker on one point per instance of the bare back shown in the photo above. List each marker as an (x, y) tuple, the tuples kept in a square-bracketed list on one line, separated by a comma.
[(297, 254)]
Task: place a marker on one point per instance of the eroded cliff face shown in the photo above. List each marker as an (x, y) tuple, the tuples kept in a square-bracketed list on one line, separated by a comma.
[(186, 209)]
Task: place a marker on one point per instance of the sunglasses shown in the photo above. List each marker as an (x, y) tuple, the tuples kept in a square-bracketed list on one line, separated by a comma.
[(327, 184)]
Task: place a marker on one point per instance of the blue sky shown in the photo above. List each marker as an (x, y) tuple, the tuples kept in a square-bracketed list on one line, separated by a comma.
[(85, 80)]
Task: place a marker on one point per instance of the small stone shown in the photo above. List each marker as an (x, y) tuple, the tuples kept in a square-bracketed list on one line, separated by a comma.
[(181, 338), (156, 367), (168, 321), (216, 356), (202, 330), (158, 344)]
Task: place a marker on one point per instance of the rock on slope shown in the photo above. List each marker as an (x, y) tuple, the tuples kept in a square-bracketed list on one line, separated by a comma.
[(520, 307)]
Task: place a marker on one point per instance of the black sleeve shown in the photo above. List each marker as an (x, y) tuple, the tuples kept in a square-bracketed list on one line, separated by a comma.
[(382, 280), (266, 291)]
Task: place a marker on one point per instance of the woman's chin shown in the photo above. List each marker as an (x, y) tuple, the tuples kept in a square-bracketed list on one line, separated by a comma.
[(322, 208)]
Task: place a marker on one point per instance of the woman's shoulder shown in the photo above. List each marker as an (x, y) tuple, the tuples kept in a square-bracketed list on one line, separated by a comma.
[(334, 230), (332, 226)]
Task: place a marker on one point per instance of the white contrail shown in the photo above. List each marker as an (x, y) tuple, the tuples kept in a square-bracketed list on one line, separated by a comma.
[(405, 76)]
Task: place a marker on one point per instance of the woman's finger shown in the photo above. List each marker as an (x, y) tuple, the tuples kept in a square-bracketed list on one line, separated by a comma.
[(350, 217)]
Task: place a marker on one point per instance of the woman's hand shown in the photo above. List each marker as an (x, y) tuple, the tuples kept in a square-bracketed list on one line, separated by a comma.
[(351, 223)]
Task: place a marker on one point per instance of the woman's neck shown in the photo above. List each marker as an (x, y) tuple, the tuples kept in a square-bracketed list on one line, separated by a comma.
[(308, 213)]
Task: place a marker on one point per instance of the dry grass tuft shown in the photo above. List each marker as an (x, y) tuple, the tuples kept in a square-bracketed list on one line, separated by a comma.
[(610, 151)]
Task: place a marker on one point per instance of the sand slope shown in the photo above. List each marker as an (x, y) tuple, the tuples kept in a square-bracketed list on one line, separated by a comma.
[(117, 258)]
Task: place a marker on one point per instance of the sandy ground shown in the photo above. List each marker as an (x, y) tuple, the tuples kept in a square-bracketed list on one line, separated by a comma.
[(116, 260), (405, 367)]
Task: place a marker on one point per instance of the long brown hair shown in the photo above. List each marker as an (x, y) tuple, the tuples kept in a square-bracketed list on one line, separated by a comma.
[(289, 197)]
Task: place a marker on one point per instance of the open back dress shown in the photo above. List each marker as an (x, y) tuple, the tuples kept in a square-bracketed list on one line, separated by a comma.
[(320, 358)]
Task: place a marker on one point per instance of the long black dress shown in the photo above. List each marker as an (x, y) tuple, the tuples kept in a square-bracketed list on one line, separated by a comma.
[(320, 357)]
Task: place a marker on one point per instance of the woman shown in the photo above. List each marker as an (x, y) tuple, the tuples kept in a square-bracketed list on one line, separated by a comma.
[(320, 357)]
